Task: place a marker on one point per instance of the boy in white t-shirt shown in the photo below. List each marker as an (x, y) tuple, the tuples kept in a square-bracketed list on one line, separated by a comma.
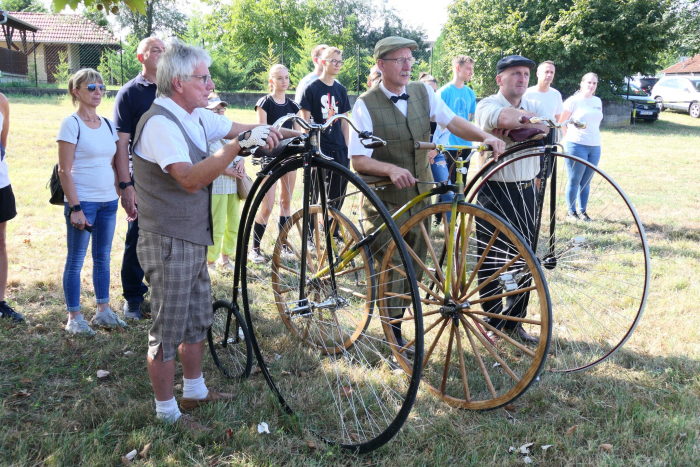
[(543, 93)]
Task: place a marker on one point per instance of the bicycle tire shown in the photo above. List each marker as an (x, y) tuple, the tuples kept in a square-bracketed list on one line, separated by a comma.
[(467, 366), (598, 272), (354, 396), (235, 356)]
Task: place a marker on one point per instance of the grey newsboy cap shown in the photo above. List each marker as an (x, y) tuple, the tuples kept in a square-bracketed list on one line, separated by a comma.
[(514, 60), (389, 44)]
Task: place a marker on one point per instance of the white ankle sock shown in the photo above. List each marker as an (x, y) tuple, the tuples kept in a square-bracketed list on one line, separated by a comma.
[(168, 410), (194, 388)]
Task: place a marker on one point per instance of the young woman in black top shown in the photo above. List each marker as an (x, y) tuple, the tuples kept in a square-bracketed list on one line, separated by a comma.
[(269, 109)]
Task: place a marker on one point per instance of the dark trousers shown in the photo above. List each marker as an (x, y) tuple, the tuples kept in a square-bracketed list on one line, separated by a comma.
[(516, 204), (335, 186), (132, 274)]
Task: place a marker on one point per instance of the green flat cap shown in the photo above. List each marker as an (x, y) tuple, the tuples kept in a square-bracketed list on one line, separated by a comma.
[(389, 44)]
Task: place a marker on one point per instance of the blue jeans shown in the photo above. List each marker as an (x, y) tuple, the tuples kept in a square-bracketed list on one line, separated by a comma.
[(579, 184), (441, 172), (103, 217)]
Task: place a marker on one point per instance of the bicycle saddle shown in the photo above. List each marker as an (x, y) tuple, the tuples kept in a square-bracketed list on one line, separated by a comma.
[(520, 135)]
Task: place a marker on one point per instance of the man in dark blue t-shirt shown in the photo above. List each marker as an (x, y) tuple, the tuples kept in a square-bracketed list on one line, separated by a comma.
[(133, 100), (321, 100)]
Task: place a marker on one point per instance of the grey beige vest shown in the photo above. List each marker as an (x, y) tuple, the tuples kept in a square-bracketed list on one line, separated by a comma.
[(400, 133), (165, 207)]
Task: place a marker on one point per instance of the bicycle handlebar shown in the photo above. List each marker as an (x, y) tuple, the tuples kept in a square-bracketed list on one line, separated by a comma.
[(551, 123), (374, 142)]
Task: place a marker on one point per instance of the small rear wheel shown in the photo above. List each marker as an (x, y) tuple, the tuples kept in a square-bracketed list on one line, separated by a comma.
[(229, 341)]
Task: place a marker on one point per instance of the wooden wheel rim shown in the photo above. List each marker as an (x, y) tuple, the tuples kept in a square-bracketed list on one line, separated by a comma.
[(540, 353)]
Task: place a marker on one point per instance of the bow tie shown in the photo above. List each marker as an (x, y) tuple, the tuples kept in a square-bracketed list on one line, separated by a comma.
[(395, 99)]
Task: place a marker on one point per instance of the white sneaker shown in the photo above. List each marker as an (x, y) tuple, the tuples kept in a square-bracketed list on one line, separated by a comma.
[(79, 326), (108, 319), (256, 256)]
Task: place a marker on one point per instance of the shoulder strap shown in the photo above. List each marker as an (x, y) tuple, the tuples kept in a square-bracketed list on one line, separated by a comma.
[(78, 122), (108, 125)]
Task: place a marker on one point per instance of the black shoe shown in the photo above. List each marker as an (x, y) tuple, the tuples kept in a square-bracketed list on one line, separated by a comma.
[(132, 310), (583, 216), (6, 312)]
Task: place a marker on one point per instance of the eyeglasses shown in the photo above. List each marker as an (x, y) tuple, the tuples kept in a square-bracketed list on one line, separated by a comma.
[(335, 62), (205, 78), (92, 87), (401, 61)]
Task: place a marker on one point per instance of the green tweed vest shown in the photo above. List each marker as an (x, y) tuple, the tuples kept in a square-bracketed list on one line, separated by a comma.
[(400, 133)]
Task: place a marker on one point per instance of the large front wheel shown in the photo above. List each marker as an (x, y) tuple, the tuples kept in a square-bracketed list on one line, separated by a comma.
[(477, 302), (592, 248), (312, 310)]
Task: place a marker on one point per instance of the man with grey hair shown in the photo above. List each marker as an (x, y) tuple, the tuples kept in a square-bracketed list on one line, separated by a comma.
[(173, 174), (133, 100)]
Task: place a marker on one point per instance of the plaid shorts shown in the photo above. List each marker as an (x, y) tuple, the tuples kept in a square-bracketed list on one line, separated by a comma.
[(181, 306)]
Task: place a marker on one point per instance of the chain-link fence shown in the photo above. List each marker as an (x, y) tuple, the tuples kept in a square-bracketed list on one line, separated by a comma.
[(244, 68)]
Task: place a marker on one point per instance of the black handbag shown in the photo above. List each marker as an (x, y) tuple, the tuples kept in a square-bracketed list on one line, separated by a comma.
[(56, 188)]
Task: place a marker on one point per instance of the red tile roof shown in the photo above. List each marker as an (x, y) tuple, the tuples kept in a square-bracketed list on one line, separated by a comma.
[(65, 29), (691, 65)]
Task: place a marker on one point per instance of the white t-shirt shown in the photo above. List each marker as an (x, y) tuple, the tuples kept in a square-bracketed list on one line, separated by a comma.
[(4, 170), (162, 142), (439, 112), (550, 101), (590, 110), (303, 84), (92, 171)]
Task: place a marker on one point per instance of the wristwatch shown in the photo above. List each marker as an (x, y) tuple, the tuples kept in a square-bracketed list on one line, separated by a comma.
[(123, 185), (76, 208)]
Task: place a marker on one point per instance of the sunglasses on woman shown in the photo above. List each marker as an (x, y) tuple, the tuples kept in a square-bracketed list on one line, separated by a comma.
[(92, 87)]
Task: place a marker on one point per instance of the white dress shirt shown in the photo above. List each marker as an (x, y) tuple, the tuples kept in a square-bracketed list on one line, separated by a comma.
[(162, 142), (486, 118), (439, 112)]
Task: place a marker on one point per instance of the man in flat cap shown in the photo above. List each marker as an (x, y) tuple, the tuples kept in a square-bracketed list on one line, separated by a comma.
[(400, 112), (511, 192)]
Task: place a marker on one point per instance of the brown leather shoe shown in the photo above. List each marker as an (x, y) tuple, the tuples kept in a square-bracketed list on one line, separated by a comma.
[(520, 333), (187, 423), (213, 396)]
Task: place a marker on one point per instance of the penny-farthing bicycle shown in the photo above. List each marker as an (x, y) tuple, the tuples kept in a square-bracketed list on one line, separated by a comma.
[(309, 308)]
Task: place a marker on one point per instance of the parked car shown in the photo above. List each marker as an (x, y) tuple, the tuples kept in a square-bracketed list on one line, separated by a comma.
[(645, 83), (643, 106), (678, 92)]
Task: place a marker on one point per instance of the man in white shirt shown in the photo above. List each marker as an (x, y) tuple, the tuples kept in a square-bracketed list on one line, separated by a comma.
[(387, 111), (173, 174), (316, 53), (547, 96), (511, 191)]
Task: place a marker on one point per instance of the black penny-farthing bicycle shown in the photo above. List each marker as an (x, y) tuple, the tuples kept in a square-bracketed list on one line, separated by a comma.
[(311, 311)]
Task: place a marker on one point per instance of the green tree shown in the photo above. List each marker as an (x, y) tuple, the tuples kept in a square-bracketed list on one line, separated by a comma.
[(62, 74), (161, 16), (269, 58), (35, 6), (303, 64), (685, 33), (613, 38)]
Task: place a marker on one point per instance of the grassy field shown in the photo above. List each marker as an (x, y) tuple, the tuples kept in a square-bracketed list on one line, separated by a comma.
[(644, 402)]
